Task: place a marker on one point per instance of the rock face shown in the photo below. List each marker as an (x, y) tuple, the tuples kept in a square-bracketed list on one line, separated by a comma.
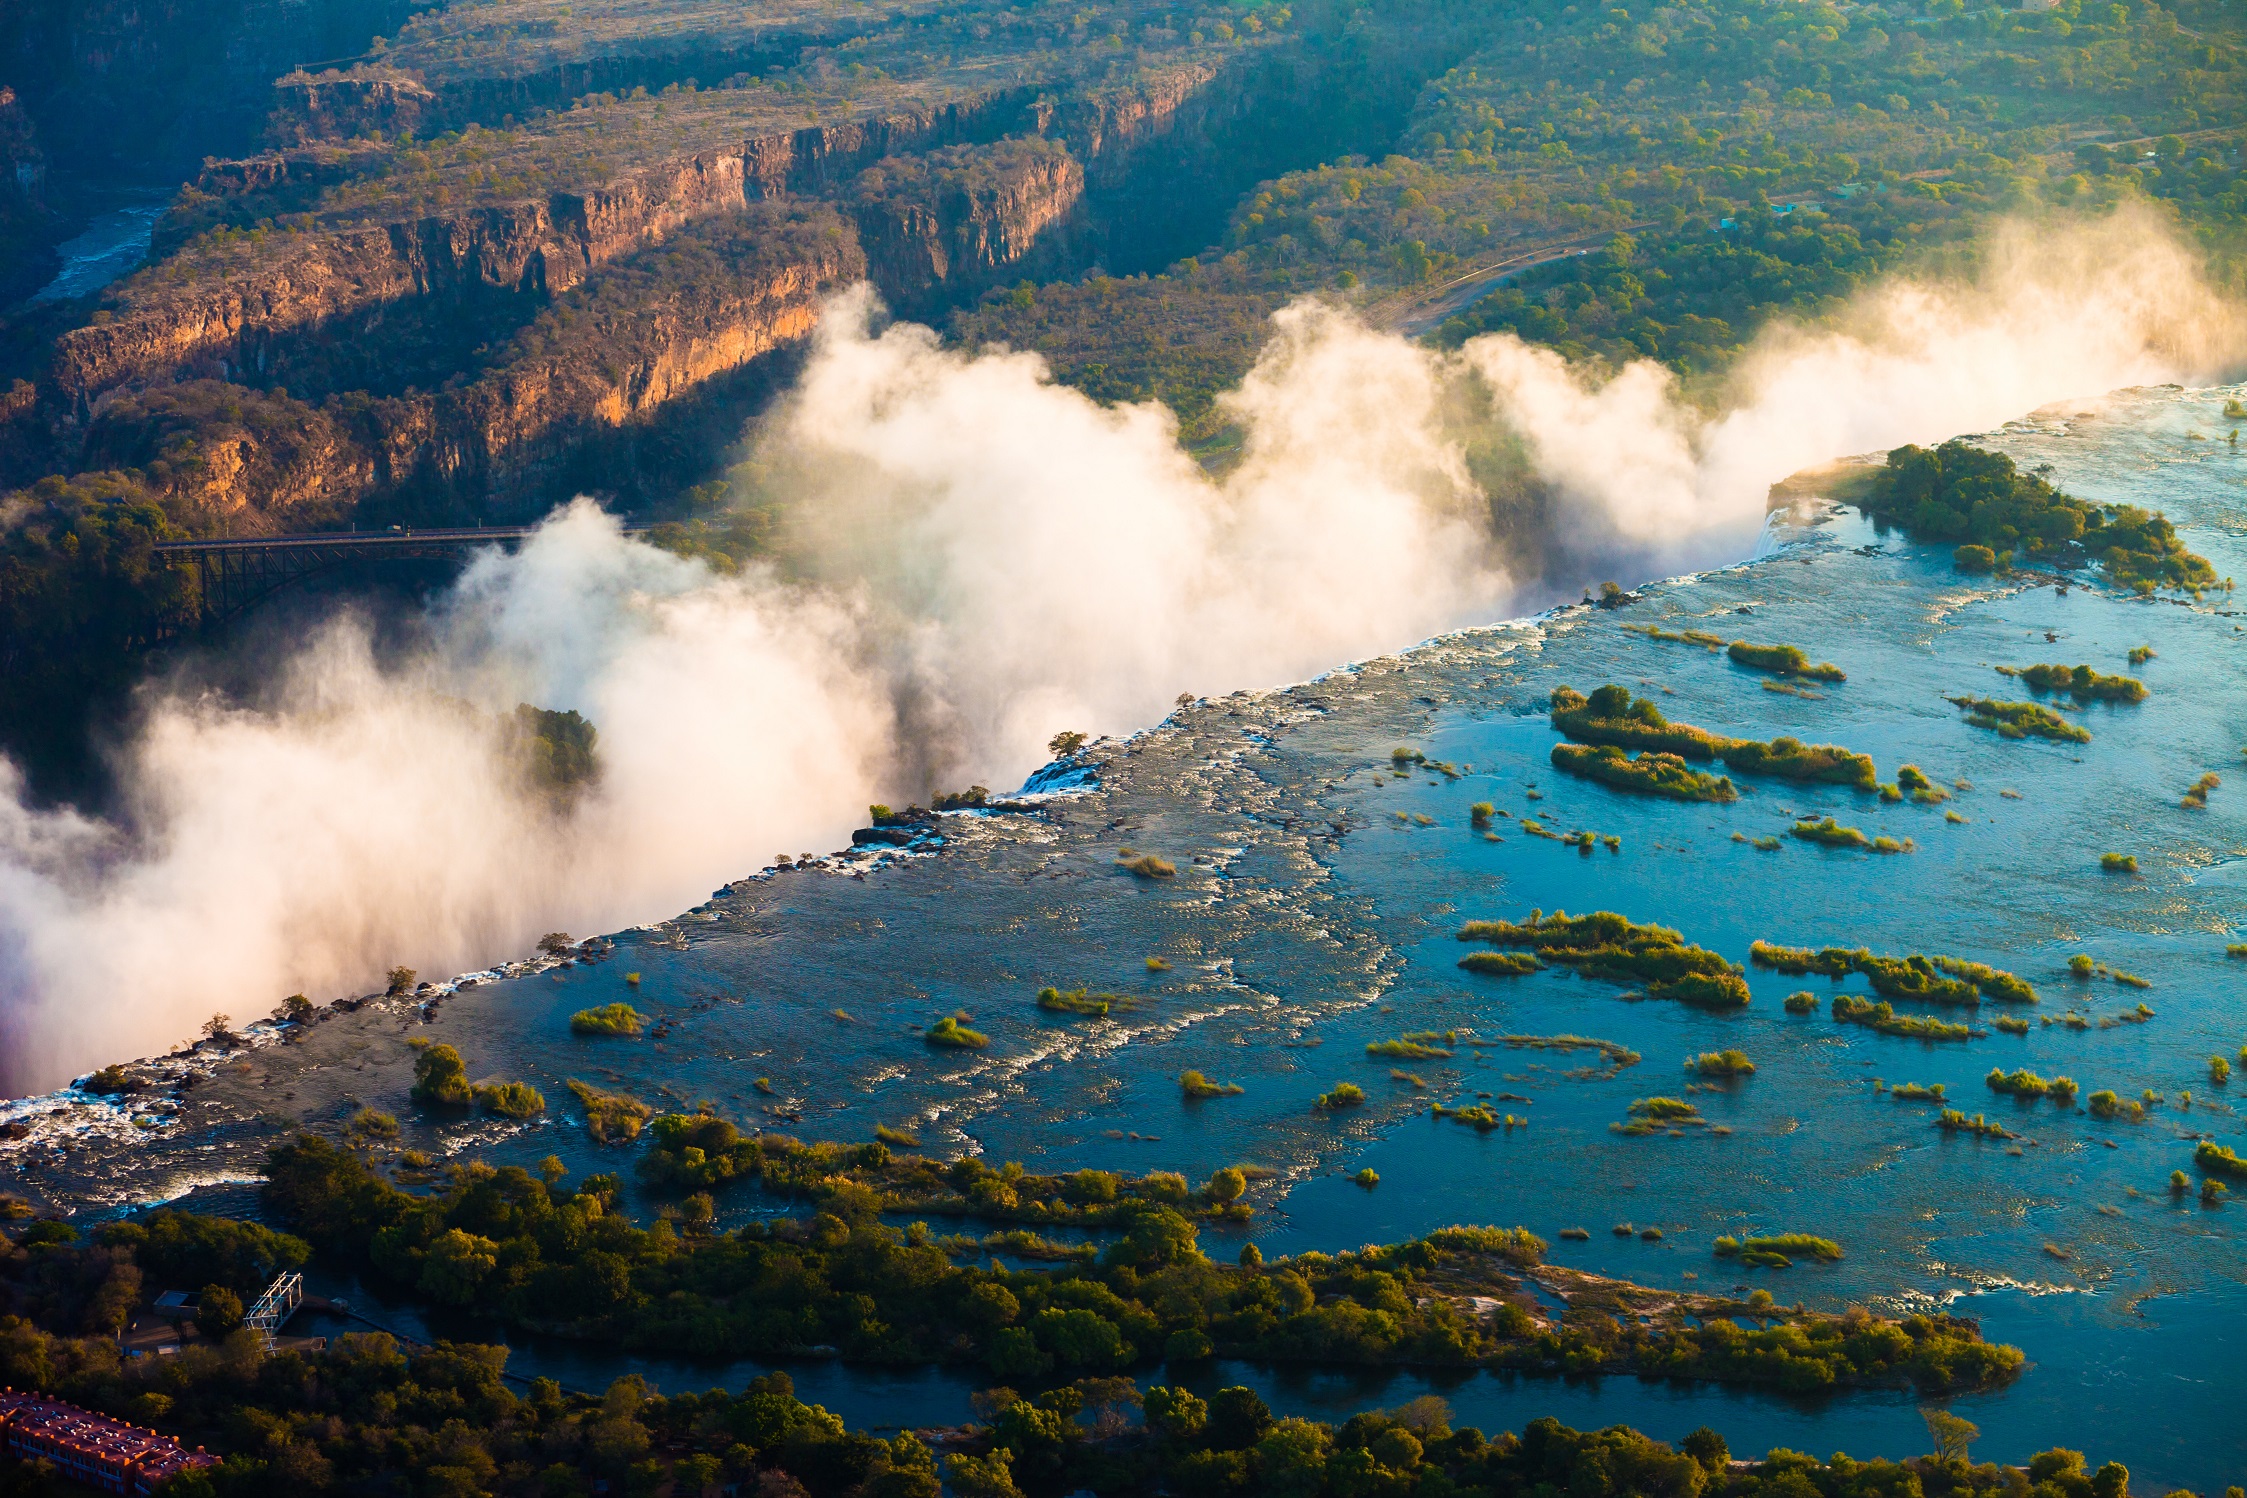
[(945, 225), (339, 106)]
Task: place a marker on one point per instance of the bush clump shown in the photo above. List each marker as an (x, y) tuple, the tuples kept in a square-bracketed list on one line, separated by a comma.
[(2024, 1083), (1722, 1064), (1831, 834), (1777, 1250), (2081, 683), (1608, 946), (951, 1034), (1148, 866), (1082, 1001), (2119, 863), (610, 1117), (1194, 1085), (1501, 964), (510, 1099), (2219, 1159), (1652, 773), (1782, 660), (1882, 1016), (610, 1019), (1344, 1095), (2018, 720), (441, 1078), (1426, 1045)]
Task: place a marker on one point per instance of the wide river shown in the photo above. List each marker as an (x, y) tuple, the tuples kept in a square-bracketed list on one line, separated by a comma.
[(1314, 910)]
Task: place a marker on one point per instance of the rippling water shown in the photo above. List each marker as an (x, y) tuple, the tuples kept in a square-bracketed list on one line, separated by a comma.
[(1314, 909)]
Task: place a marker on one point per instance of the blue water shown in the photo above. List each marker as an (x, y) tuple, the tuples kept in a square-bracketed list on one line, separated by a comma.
[(113, 245), (1307, 919)]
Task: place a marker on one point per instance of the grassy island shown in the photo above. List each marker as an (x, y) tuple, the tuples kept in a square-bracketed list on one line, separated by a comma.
[(1882, 1016), (1777, 1250), (949, 1033), (1611, 717), (1938, 979), (1660, 1115), (2108, 1104), (1914, 1092), (2024, 1083), (1501, 964), (1782, 660), (2020, 720), (1802, 1002), (1699, 637), (1424, 1045), (2080, 682), (1952, 1121), (1722, 1064), (1082, 1001), (1194, 1085), (2119, 863), (1975, 500), (609, 1019), (1831, 834), (1608, 946), (1344, 1095), (610, 1117), (1652, 773), (510, 1099)]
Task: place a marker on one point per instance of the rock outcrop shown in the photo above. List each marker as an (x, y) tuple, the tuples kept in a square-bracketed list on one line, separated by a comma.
[(950, 223)]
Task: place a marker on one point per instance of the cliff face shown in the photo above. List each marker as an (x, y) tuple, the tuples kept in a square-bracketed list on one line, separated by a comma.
[(948, 224), (264, 322), (339, 106)]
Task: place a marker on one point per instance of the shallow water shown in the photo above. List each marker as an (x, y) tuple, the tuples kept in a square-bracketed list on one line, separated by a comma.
[(1307, 919)]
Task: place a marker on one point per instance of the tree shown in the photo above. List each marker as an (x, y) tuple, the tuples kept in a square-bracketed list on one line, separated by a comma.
[(401, 981), (441, 1078), (1065, 743), (1952, 1433), (555, 943), (296, 1009), (217, 1028), (456, 1267), (1227, 1185), (983, 1477), (218, 1311)]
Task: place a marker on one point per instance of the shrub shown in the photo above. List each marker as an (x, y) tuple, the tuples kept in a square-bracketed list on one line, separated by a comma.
[(2083, 684), (510, 1099), (1782, 660), (1195, 1085), (1974, 559), (610, 1117), (1653, 773), (1500, 964), (1803, 1002), (1831, 833), (2219, 1070), (2014, 720), (903, 1139), (441, 1078), (2119, 863), (610, 1019), (1366, 1178), (1722, 1064), (1149, 866), (950, 1033), (1344, 1095), (2219, 1159)]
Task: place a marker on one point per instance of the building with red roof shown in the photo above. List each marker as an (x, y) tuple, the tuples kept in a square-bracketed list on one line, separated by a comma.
[(89, 1448)]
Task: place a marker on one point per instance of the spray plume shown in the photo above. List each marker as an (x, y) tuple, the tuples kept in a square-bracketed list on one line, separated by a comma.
[(977, 558)]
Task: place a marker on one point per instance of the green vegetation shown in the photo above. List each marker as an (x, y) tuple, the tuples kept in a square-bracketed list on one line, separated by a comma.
[(1782, 660), (1148, 866), (1722, 1064), (1958, 493), (1659, 1115), (2140, 654), (2010, 1024), (951, 1034), (1344, 1095), (610, 1117), (1607, 946), (903, 1139), (1194, 1085), (1611, 717), (1080, 1001), (2080, 682), (1501, 964), (1426, 1045), (1683, 636), (1651, 773), (1479, 1117), (1614, 1058), (1830, 833), (2016, 720), (1882, 1016), (510, 1099), (2218, 1159), (1802, 1002), (1952, 1121), (2106, 1104), (441, 1078), (1913, 1092), (2195, 797), (2023, 1083), (1923, 790), (2219, 1070), (609, 1019), (1777, 1250), (2119, 863)]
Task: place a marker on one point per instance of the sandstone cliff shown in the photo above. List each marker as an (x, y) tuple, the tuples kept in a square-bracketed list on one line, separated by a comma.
[(946, 225)]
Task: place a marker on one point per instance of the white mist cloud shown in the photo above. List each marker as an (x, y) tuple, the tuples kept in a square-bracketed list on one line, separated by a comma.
[(978, 558)]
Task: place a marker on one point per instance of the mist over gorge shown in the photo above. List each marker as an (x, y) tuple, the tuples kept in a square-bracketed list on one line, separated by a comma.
[(974, 558)]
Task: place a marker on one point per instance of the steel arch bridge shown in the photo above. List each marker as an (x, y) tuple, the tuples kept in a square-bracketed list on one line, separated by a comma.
[(237, 575)]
